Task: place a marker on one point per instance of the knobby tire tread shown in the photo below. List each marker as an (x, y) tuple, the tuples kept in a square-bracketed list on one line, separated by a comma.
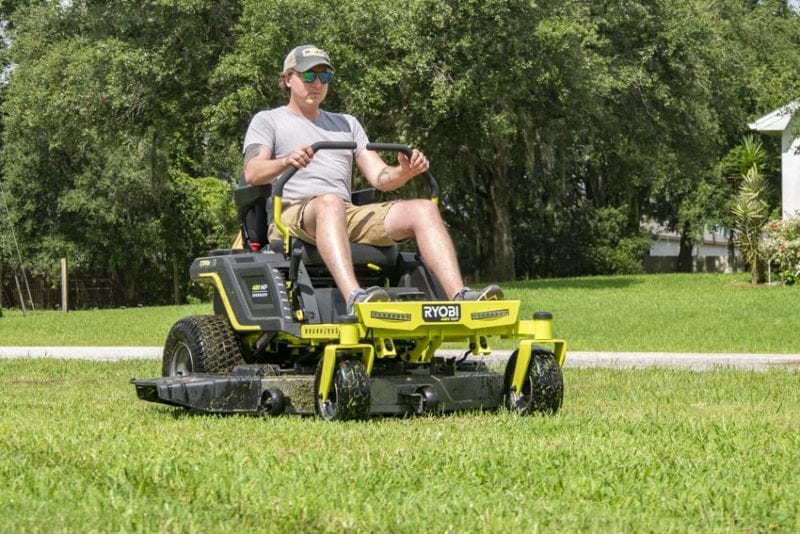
[(211, 341)]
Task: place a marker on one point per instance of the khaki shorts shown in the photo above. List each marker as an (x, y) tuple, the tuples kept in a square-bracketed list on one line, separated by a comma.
[(364, 223)]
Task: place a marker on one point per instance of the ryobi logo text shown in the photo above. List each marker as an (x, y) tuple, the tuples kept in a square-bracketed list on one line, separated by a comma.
[(433, 313)]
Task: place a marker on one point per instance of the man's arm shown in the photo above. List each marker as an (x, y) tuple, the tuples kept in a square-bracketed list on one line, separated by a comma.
[(384, 177), (262, 169)]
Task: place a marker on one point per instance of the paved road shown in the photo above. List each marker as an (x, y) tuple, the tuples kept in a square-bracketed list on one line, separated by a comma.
[(620, 360)]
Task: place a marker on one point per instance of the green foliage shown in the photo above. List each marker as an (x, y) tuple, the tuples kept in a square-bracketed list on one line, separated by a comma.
[(100, 116), (781, 247), (751, 212), (650, 450), (210, 217), (751, 208), (205, 219), (568, 241), (534, 115), (771, 38), (743, 157), (613, 251)]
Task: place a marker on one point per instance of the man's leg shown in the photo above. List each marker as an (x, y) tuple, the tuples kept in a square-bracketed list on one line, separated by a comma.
[(324, 220), (421, 219)]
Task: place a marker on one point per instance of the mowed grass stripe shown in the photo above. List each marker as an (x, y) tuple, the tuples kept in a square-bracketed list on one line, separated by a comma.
[(648, 450)]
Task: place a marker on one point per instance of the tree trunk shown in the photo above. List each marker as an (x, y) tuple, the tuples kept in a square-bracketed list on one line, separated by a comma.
[(731, 251), (502, 261), (176, 282), (685, 259)]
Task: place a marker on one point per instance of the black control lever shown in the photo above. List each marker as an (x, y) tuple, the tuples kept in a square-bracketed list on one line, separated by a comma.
[(294, 265)]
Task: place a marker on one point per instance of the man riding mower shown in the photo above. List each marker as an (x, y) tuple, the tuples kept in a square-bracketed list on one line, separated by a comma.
[(283, 339)]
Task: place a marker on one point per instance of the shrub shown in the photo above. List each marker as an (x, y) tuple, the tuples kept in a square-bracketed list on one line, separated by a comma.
[(614, 249), (782, 247)]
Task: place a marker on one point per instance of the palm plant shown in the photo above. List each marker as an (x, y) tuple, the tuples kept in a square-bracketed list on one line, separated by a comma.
[(750, 211), (750, 153)]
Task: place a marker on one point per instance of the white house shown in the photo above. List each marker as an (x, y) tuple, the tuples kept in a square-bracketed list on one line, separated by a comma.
[(709, 254), (782, 122)]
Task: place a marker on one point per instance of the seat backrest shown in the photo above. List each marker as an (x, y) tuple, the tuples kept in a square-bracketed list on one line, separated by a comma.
[(254, 210)]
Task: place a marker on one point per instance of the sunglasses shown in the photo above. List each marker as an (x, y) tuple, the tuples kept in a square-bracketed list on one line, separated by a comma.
[(309, 76)]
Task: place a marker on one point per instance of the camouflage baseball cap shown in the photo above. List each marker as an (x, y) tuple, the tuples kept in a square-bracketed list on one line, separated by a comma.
[(305, 57)]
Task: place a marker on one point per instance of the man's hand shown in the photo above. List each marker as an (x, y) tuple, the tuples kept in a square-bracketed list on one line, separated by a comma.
[(416, 164), (385, 178), (262, 169), (299, 158)]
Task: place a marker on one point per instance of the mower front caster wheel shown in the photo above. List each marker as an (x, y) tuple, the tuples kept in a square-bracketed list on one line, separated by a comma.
[(273, 402), (543, 389), (428, 401), (349, 395)]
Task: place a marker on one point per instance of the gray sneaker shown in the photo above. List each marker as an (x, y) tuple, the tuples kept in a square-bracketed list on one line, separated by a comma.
[(371, 294), (492, 292)]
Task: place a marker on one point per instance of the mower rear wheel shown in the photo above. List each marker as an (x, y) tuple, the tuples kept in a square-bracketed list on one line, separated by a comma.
[(349, 396), (543, 389), (200, 344)]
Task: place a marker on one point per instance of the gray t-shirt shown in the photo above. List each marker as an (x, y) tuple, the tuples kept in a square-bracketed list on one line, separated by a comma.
[(330, 171)]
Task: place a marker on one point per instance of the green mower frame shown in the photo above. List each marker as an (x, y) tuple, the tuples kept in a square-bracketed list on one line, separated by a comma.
[(280, 340)]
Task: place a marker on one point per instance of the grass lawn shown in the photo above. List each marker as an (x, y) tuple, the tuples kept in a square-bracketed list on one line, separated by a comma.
[(670, 313), (108, 327), (646, 450), (687, 313), (632, 450)]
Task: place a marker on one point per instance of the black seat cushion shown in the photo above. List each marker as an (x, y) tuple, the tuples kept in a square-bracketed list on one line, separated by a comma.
[(255, 213), (383, 257)]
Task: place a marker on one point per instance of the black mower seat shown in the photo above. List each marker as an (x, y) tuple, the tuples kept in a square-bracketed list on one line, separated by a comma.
[(383, 257), (255, 214)]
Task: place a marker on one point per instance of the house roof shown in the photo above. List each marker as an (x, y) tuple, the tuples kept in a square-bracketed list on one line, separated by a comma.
[(776, 121)]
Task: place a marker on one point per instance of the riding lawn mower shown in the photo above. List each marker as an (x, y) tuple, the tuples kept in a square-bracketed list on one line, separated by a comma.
[(281, 339)]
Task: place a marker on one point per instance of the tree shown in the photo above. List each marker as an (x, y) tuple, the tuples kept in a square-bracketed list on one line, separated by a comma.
[(553, 127), (750, 208), (103, 114), (458, 79)]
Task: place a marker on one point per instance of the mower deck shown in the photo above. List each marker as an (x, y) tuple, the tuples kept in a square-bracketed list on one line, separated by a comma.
[(445, 388)]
